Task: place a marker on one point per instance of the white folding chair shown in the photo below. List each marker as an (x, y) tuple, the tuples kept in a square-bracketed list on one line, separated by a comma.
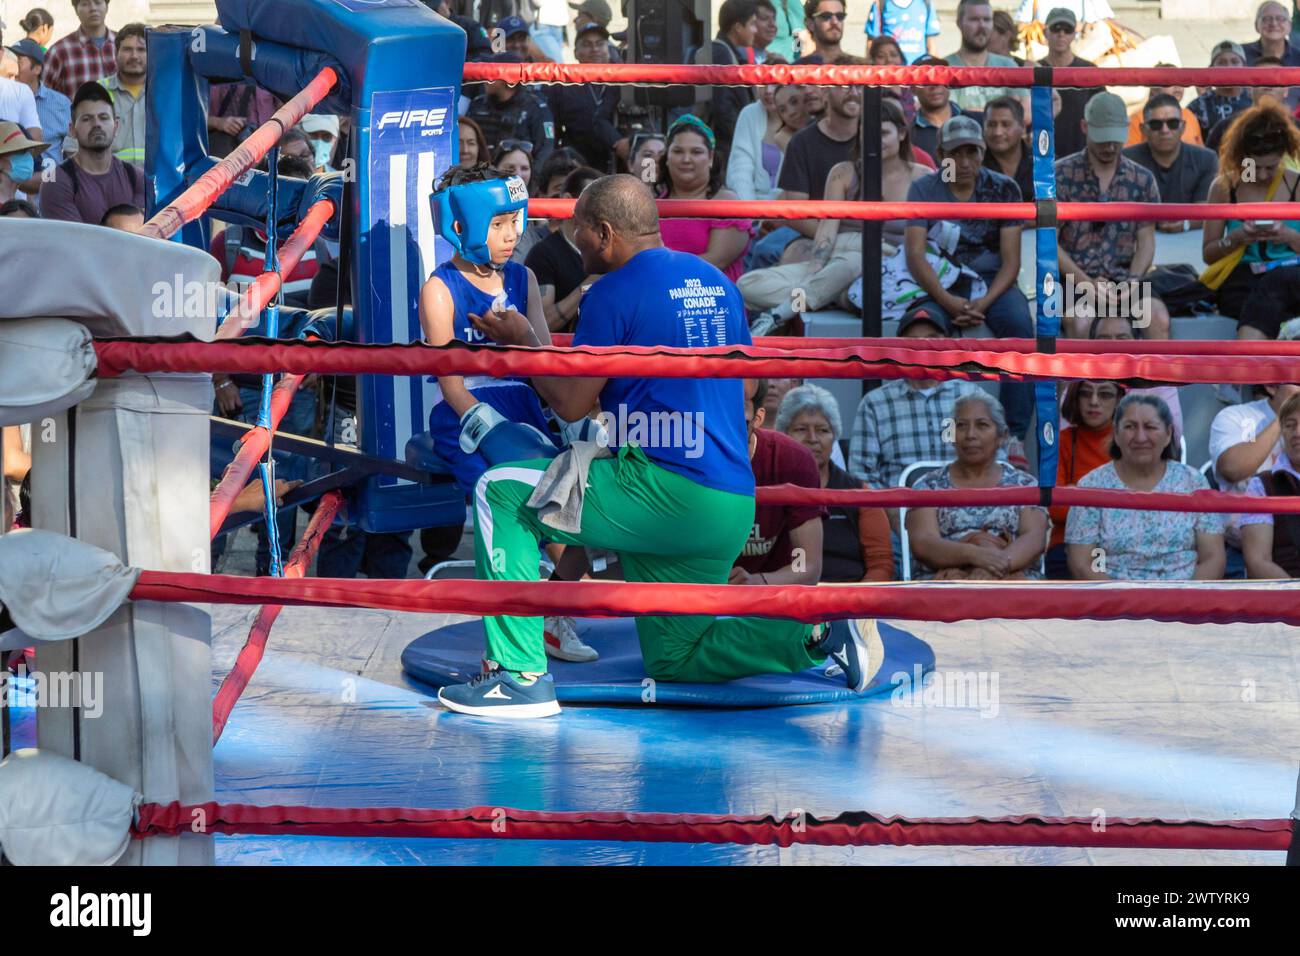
[(910, 476)]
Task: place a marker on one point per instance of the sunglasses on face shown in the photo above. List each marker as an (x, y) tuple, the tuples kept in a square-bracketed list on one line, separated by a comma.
[(1061, 28), (507, 145), (828, 17), (1156, 125)]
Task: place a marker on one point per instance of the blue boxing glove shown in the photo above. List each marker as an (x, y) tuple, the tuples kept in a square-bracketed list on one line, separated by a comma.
[(499, 440)]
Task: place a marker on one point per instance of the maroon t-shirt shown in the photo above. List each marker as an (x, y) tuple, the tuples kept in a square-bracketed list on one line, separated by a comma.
[(93, 195), (778, 460)]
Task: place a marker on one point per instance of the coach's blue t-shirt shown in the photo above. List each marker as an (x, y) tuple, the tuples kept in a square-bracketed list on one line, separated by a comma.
[(692, 426)]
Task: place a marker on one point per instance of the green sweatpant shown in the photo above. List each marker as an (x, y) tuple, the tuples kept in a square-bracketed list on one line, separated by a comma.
[(664, 528)]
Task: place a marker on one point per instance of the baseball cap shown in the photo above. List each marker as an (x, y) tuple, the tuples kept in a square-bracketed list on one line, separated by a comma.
[(1107, 119), (1061, 15), (924, 312), (29, 48), (14, 140), (317, 123), (1227, 46), (588, 28), (596, 9), (962, 130), (509, 26)]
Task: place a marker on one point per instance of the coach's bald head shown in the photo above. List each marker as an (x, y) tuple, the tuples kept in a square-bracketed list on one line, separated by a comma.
[(615, 218)]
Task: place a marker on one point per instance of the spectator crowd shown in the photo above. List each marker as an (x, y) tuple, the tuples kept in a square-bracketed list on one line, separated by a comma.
[(72, 128)]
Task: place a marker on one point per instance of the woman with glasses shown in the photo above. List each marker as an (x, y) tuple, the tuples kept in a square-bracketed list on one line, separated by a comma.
[(1254, 264), (1083, 446), (515, 158), (691, 169)]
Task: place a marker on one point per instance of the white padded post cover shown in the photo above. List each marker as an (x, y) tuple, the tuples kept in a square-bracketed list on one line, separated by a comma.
[(127, 471)]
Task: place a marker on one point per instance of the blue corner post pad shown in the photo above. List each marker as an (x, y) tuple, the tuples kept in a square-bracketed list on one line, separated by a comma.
[(1047, 301), (452, 655), (399, 67)]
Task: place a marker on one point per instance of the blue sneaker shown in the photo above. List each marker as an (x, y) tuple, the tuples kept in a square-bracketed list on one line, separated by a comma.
[(856, 647), (494, 693)]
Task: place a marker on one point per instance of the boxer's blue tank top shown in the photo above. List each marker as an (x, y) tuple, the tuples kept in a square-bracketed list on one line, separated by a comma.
[(469, 298)]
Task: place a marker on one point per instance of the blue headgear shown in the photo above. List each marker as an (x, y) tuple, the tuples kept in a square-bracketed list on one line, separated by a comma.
[(473, 206)]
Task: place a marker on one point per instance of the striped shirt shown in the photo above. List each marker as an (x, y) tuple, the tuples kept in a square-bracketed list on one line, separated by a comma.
[(896, 426), (76, 59)]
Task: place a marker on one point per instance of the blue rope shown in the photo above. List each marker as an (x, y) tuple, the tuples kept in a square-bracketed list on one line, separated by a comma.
[(267, 468)]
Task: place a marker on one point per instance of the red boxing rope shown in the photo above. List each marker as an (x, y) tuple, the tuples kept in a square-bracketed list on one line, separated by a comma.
[(1208, 502), (890, 211), (250, 655), (259, 294), (118, 356), (251, 449), (845, 829), (1216, 348), (196, 200), (675, 74), (1275, 602)]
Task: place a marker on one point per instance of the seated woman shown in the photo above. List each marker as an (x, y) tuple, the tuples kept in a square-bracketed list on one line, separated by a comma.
[(1001, 542), (763, 131), (1118, 328), (514, 157), (481, 213), (885, 51), (1122, 544), (690, 169), (1084, 445), (855, 541), (836, 259), (1253, 265), (1271, 543)]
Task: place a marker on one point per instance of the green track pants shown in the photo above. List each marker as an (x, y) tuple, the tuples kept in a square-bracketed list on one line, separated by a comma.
[(664, 528)]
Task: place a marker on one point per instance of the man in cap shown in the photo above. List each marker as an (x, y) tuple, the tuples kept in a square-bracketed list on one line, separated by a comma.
[(586, 116), (512, 111), (987, 249), (598, 11), (323, 133), (1061, 25), (1104, 262), (1221, 102), (18, 154), (35, 107)]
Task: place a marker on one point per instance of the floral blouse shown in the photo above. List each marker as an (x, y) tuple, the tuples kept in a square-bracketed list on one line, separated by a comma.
[(1143, 545), (956, 523)]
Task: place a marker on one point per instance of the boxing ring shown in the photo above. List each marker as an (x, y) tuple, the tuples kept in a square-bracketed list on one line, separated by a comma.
[(1063, 723)]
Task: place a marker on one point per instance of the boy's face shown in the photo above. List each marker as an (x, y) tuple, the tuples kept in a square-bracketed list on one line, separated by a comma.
[(503, 236)]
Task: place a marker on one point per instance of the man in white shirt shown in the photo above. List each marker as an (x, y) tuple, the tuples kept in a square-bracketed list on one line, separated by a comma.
[(1244, 440), (18, 105)]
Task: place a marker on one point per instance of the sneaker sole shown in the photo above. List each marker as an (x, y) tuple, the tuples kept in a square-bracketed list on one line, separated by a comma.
[(550, 708), (870, 650)]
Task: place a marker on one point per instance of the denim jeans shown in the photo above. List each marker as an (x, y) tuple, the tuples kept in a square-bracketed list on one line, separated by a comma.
[(766, 252), (549, 39), (1008, 318)]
